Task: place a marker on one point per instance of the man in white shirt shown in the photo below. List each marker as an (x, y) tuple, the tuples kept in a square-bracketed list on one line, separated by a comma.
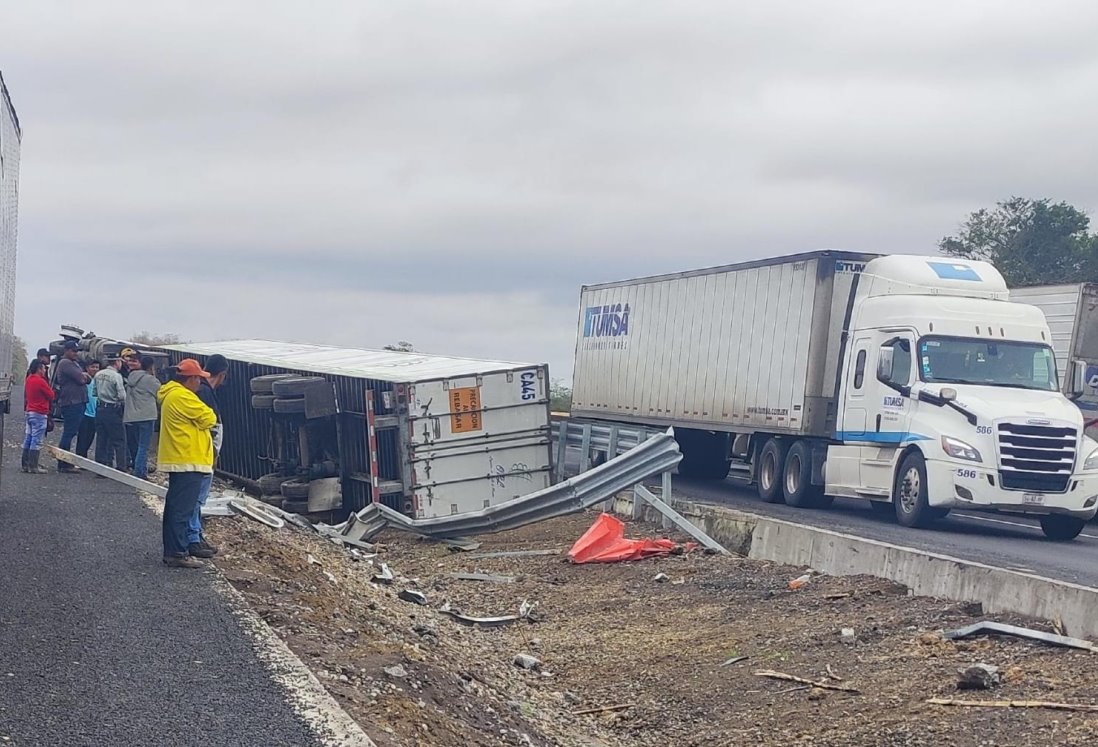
[(110, 432)]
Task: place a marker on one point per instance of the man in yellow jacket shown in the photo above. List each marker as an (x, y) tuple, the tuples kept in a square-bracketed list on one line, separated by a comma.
[(186, 454)]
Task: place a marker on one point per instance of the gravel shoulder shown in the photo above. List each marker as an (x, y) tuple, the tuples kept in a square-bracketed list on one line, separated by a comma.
[(611, 635)]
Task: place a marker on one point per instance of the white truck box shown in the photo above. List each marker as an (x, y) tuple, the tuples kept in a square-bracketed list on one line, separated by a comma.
[(736, 348)]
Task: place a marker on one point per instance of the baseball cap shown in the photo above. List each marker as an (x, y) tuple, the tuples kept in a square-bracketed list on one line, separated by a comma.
[(128, 353), (190, 367), (71, 345)]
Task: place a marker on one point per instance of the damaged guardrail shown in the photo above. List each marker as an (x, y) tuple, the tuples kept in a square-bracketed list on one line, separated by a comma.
[(596, 442), (657, 455)]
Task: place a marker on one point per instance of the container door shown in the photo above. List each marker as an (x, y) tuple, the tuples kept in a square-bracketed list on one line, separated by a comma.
[(478, 441)]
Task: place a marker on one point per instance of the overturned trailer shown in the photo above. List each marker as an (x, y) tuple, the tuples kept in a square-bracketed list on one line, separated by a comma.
[(325, 428)]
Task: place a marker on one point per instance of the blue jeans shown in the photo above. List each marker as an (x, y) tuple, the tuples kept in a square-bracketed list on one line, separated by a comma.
[(36, 431), (144, 431), (194, 529), (73, 415), (179, 506)]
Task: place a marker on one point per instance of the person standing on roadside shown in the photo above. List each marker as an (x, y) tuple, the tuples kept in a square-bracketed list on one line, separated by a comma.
[(130, 363), (72, 398), (87, 426), (140, 412), (218, 369), (110, 432), (186, 453), (44, 357), (38, 396)]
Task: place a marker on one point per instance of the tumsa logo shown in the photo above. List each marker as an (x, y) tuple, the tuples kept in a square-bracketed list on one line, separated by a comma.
[(606, 327)]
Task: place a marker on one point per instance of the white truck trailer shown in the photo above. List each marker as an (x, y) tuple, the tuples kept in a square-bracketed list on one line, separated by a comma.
[(1072, 314), (10, 136), (911, 382)]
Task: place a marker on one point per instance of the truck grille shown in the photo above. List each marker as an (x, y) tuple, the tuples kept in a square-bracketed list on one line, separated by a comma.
[(1036, 457)]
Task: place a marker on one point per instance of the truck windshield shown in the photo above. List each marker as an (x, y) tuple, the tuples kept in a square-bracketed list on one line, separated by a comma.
[(961, 360)]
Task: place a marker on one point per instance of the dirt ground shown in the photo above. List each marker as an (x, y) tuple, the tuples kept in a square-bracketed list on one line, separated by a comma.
[(612, 635)]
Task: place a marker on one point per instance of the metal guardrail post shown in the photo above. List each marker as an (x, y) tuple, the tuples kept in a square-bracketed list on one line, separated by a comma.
[(585, 448), (612, 449), (562, 448), (665, 494)]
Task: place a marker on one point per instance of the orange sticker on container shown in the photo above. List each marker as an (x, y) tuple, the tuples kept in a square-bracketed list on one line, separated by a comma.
[(465, 410)]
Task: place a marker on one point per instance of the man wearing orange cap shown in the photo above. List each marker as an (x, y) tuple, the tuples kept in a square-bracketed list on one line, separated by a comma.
[(186, 454)]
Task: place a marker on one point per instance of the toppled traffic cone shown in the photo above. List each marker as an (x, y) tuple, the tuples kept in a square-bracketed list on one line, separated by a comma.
[(605, 542)]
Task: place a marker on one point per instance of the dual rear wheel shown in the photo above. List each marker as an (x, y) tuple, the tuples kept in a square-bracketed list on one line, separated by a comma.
[(785, 474)]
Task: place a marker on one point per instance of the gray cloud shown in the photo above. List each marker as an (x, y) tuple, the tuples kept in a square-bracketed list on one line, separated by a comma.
[(484, 159)]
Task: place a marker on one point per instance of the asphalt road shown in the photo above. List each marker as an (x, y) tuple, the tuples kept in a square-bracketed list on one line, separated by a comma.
[(100, 644), (1001, 540)]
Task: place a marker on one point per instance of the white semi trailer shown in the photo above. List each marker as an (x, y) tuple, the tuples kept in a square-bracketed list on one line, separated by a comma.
[(911, 382), (10, 136)]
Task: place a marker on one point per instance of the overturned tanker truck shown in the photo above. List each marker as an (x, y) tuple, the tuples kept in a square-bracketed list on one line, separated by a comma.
[(324, 429)]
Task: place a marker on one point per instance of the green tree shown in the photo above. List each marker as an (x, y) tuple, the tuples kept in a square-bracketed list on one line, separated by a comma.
[(155, 339), (1032, 242), (401, 347), (19, 360), (560, 396)]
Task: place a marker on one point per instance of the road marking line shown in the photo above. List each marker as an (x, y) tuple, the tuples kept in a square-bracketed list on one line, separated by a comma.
[(1011, 523)]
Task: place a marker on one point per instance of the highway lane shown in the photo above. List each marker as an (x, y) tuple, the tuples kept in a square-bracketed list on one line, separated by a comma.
[(1002, 540)]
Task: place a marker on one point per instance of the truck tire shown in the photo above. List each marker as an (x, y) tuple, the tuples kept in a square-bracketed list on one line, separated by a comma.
[(909, 494), (292, 406), (262, 401), (295, 490), (271, 484), (294, 386), (295, 507), (771, 468), (262, 384), (797, 484), (1060, 528)]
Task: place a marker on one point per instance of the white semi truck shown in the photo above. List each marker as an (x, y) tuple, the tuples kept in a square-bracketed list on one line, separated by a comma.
[(912, 382)]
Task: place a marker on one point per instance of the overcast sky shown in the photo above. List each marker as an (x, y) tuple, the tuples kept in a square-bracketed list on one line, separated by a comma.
[(450, 173)]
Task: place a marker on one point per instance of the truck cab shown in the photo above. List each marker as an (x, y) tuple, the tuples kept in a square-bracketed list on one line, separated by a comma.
[(949, 397)]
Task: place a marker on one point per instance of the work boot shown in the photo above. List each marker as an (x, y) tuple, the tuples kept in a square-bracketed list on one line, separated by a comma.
[(26, 459), (65, 467), (198, 550), (183, 561), (32, 463), (212, 548)]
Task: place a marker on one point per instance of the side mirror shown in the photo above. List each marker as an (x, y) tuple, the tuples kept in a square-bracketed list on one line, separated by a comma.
[(1078, 379), (885, 363)]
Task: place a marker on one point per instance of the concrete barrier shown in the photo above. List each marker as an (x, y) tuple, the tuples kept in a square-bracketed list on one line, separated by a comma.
[(925, 573)]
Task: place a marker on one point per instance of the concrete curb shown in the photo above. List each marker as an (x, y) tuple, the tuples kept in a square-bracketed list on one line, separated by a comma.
[(925, 573)]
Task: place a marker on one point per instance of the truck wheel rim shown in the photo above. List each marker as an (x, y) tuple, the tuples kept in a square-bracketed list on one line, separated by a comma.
[(792, 474), (768, 471), (909, 490)]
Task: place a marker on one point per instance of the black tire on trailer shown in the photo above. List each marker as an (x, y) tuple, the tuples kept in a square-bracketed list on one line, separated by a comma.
[(295, 507), (272, 500), (262, 401), (909, 493), (770, 469), (295, 490), (262, 384), (289, 406), (294, 386), (271, 484), (797, 484), (1061, 528)]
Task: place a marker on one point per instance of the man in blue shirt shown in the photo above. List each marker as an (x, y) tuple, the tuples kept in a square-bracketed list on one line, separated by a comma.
[(86, 434)]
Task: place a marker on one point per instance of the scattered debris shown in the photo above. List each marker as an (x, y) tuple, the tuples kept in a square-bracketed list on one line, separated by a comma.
[(605, 542), (800, 581), (526, 661), (842, 595), (661, 578), (817, 694), (602, 709), (771, 674), (847, 635), (425, 631), (669, 514), (832, 675), (485, 622), (734, 660), (384, 576), (512, 554), (413, 596), (678, 582), (1058, 626), (461, 544), (331, 577), (978, 677), (1014, 704), (986, 626), (255, 513), (311, 560), (396, 672), (483, 577)]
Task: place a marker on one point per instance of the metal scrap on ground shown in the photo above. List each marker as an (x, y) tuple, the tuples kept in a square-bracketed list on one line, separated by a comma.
[(987, 626), (1014, 704), (511, 554), (483, 577)]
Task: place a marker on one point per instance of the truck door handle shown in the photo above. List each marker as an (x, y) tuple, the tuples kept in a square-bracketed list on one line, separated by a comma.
[(878, 423)]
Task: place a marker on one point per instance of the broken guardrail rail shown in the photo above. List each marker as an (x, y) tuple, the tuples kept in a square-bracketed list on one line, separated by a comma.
[(655, 456)]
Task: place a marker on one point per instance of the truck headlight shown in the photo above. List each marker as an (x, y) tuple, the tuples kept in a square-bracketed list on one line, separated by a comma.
[(958, 449), (1091, 462)]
